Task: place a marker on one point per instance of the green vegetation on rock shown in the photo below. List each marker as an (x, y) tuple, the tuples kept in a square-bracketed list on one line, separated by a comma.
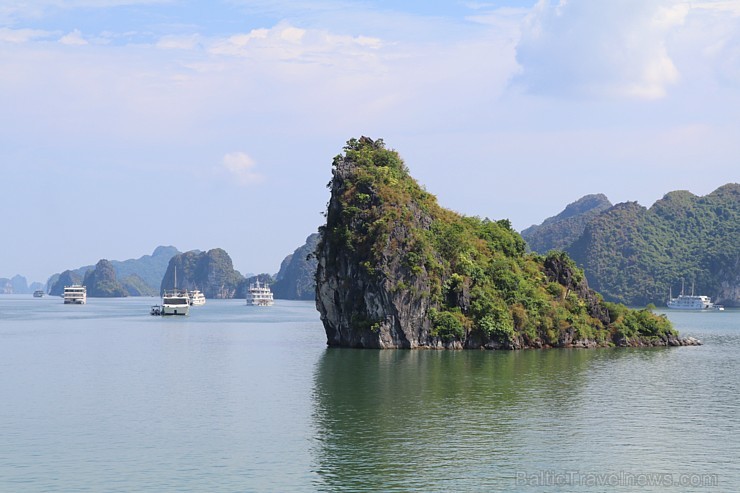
[(397, 270)]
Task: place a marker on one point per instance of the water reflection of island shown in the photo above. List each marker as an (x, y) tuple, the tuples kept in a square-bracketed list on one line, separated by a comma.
[(408, 420)]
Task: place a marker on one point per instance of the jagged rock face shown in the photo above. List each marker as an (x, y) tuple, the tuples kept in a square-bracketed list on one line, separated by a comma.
[(360, 309), (724, 268), (296, 279), (558, 270)]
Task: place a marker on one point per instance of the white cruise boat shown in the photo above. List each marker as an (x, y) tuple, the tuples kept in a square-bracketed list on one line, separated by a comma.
[(39, 293), (75, 295), (175, 302), (197, 298), (259, 295), (689, 302)]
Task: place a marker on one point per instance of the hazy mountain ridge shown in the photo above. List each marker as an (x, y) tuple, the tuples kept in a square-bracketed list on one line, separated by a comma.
[(139, 277), (18, 285)]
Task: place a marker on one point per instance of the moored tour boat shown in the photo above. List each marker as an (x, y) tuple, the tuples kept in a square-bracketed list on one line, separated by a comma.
[(175, 302), (689, 302), (197, 298), (259, 295), (39, 293), (75, 295)]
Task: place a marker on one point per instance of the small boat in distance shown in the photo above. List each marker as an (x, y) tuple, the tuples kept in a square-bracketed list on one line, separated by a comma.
[(39, 293), (689, 302), (75, 295), (259, 295), (197, 298)]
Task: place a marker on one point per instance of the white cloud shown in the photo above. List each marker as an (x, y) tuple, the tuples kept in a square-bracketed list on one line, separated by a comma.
[(615, 49), (287, 42), (713, 37), (73, 38), (241, 167), (178, 42), (20, 35)]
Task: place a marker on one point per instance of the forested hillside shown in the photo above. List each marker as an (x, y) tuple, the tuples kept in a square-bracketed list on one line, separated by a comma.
[(636, 255)]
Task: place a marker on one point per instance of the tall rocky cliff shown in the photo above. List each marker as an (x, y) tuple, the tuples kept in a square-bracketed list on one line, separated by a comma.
[(396, 270), (296, 279), (101, 282)]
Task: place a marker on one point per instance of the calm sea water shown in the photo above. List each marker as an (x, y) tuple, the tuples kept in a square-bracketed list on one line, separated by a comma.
[(106, 398)]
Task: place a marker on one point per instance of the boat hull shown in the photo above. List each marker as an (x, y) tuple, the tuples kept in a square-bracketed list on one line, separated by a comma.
[(180, 310), (260, 302)]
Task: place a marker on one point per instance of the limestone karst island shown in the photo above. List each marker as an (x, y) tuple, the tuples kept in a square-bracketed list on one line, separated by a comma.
[(397, 270)]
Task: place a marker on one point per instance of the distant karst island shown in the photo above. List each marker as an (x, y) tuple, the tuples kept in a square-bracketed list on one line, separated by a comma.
[(637, 255), (211, 272), (396, 270)]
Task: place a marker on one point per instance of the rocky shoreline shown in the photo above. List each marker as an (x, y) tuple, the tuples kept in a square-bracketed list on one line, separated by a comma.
[(672, 341)]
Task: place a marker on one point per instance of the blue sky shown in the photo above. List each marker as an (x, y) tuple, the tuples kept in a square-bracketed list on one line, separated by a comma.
[(128, 124)]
